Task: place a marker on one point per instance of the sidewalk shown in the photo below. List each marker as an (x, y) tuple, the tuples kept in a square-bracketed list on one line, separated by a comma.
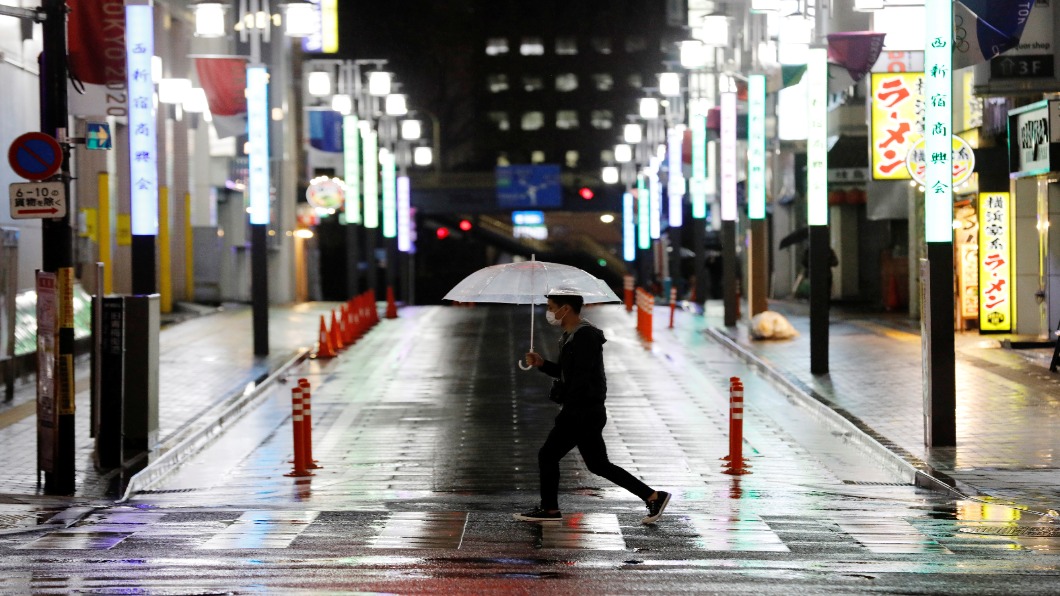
[(1008, 403), (204, 363)]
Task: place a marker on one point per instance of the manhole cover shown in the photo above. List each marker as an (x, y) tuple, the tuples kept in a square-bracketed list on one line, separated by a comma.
[(1040, 531)]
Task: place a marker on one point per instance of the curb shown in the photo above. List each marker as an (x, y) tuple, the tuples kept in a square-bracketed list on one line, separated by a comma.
[(895, 459), (189, 446)]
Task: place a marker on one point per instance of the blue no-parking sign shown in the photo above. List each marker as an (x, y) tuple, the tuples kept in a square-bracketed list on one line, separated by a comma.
[(35, 156)]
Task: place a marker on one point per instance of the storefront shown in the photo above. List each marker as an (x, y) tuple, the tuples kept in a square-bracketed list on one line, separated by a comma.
[(1034, 162)]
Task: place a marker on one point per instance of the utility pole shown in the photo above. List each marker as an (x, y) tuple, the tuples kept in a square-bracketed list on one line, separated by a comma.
[(57, 246)]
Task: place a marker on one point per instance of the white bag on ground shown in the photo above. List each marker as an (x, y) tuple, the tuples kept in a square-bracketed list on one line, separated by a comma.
[(771, 325)]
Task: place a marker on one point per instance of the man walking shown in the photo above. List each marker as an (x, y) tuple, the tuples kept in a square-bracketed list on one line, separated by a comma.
[(580, 385)]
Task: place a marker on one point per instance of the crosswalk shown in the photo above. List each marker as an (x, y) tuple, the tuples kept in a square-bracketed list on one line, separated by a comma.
[(475, 530)]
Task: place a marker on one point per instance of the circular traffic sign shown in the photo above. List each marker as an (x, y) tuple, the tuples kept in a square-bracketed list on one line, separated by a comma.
[(35, 156)]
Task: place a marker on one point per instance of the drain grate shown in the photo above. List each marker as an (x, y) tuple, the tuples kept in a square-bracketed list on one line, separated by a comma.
[(1036, 531), (868, 483)]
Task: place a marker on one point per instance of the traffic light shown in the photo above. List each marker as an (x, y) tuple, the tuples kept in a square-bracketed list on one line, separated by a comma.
[(442, 233), (465, 225), (586, 193)]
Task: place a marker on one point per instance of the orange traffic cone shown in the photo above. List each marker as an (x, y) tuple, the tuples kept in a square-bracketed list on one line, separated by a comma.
[(325, 349), (347, 324), (336, 333), (391, 306)]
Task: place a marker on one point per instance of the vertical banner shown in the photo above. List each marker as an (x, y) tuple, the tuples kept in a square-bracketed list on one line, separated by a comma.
[(47, 359), (897, 116), (143, 143), (389, 176), (629, 228), (96, 51), (675, 186), (698, 186), (370, 142), (258, 139), (654, 199), (938, 121), (351, 160), (65, 381), (816, 78), (728, 156), (995, 272), (756, 147), (224, 80), (404, 214), (643, 217)]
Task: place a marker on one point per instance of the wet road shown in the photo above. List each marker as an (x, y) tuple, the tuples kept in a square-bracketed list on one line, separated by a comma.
[(428, 433)]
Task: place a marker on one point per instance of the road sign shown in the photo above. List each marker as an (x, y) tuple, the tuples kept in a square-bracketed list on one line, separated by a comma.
[(1021, 67), (97, 135), (35, 200), (35, 156)]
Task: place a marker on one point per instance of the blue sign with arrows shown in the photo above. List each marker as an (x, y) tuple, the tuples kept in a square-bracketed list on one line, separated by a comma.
[(97, 136)]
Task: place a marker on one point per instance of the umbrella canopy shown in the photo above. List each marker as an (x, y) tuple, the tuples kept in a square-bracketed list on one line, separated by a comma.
[(528, 282)]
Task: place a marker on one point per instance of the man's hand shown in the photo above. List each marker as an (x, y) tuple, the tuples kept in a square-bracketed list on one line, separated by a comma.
[(534, 359)]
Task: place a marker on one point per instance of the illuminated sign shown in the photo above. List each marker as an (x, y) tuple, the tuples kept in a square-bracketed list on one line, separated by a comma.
[(326, 193), (938, 121), (528, 218), (962, 158), (351, 159), (325, 28), (698, 184), (756, 147), (643, 233), (143, 144), (629, 228), (370, 142), (1033, 137), (816, 79), (389, 174), (728, 156), (897, 121), (675, 187), (654, 200), (995, 272), (404, 214), (258, 141)]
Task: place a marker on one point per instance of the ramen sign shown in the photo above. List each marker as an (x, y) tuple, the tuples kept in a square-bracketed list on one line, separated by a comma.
[(963, 159)]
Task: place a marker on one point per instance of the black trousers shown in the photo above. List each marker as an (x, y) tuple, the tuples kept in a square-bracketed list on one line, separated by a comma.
[(581, 429)]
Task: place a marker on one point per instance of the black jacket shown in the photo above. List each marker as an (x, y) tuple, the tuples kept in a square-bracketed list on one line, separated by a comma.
[(580, 367)]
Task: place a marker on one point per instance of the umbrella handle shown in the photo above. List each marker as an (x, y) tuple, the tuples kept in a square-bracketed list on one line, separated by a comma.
[(522, 366)]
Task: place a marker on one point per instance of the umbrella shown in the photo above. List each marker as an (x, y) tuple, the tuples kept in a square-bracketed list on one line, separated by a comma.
[(799, 235), (529, 282)]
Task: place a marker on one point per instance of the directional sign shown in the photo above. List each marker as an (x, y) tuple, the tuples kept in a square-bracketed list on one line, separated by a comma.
[(35, 200), (35, 156), (1021, 67), (97, 135)]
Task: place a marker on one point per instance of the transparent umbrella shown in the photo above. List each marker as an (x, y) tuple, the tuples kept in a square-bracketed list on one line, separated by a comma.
[(529, 282)]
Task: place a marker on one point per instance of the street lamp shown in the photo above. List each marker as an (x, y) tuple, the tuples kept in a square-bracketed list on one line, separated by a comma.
[(210, 19)]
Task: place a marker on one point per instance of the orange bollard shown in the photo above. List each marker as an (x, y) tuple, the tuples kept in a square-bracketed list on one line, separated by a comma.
[(673, 305), (324, 347), (307, 428), (298, 426), (736, 465), (336, 333), (627, 286), (347, 324), (391, 306), (649, 315)]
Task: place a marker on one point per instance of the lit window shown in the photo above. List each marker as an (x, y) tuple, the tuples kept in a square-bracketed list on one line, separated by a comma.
[(567, 81), (533, 120), (636, 43), (500, 120), (532, 46), (603, 82), (502, 159), (537, 157), (496, 46), (533, 83), (567, 119), (607, 156), (571, 159), (635, 81), (601, 119), (498, 83), (566, 46), (602, 45)]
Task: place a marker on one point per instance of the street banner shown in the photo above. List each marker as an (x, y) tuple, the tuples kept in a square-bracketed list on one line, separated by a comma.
[(856, 51), (225, 82), (897, 121), (96, 49), (325, 131), (983, 29)]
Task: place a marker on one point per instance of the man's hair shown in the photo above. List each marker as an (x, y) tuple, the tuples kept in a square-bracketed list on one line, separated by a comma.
[(572, 300)]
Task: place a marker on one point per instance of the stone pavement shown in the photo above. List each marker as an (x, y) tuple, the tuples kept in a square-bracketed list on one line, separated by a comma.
[(204, 363), (1008, 403)]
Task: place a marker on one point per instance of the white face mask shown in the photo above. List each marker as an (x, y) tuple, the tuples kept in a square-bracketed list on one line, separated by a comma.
[(551, 318)]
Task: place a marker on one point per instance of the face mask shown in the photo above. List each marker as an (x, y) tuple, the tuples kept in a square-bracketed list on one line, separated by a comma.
[(551, 318)]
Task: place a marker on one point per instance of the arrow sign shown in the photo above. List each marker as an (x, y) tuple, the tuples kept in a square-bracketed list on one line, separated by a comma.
[(97, 135), (35, 156), (33, 200)]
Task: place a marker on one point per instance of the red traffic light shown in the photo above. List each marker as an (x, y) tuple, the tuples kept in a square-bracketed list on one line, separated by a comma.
[(442, 233), (465, 225), (586, 193)]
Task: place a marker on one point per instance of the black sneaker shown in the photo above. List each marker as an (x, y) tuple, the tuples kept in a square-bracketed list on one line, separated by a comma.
[(539, 515), (656, 507)]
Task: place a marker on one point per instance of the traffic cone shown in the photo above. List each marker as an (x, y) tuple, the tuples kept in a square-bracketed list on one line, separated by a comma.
[(347, 324), (336, 333), (391, 306), (325, 349)]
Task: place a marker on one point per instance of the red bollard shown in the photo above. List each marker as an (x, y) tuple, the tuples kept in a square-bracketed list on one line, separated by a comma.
[(673, 305), (391, 305), (298, 426), (627, 285), (336, 333), (307, 422), (736, 465)]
